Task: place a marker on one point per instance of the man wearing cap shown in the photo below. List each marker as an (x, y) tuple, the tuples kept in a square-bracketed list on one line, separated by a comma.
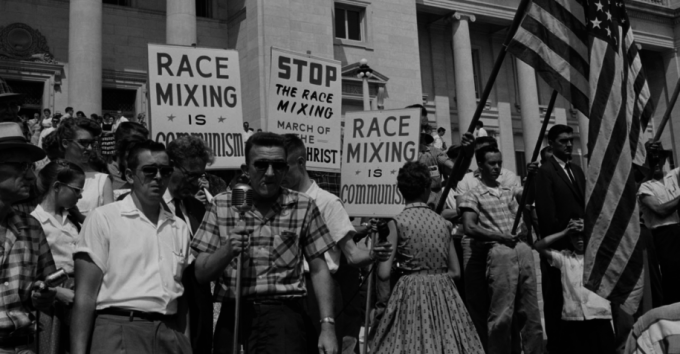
[(26, 258)]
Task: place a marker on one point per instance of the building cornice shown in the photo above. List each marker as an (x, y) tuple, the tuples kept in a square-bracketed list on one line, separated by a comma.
[(485, 11)]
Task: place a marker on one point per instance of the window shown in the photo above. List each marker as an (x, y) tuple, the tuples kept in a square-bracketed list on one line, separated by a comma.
[(114, 100), (348, 23), (204, 8), (118, 2)]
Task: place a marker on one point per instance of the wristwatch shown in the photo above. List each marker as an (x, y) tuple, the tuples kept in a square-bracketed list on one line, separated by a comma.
[(330, 320)]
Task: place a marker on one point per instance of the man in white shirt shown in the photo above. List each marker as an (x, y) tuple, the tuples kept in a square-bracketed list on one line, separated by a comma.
[(338, 223), (45, 132), (129, 263), (438, 141), (479, 130), (659, 198)]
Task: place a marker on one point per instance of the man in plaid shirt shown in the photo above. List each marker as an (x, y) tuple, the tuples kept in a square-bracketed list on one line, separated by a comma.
[(24, 253), (488, 215), (283, 226)]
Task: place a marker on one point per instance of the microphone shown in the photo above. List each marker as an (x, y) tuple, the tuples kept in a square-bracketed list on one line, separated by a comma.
[(242, 198)]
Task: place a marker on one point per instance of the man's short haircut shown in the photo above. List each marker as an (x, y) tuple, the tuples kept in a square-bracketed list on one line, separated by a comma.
[(544, 151), (293, 144), (265, 139), (558, 129), (68, 127), (47, 110), (480, 154), (413, 180), (486, 140), (479, 124), (137, 147), (69, 109), (441, 129), (81, 113), (127, 129), (423, 110), (189, 148)]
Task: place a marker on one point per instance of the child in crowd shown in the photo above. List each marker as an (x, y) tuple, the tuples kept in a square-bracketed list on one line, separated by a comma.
[(586, 317)]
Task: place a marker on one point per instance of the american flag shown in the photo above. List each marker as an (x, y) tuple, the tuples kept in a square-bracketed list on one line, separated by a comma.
[(585, 50)]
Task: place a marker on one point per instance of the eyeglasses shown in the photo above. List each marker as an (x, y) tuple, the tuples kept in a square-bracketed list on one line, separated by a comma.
[(77, 190), (23, 167), (191, 177), (84, 143), (151, 171), (263, 165)]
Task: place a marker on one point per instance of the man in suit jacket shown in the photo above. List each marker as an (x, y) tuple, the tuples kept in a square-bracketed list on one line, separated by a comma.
[(190, 156), (560, 196)]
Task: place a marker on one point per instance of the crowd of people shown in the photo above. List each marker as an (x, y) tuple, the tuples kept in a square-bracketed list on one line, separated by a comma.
[(150, 240)]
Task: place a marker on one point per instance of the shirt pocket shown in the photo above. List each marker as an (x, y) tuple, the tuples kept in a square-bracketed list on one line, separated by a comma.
[(285, 250)]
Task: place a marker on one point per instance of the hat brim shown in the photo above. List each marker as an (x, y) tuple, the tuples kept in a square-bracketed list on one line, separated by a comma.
[(9, 95), (34, 152)]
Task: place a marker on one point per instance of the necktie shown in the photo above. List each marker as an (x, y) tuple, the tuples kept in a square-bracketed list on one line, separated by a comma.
[(567, 166), (178, 210)]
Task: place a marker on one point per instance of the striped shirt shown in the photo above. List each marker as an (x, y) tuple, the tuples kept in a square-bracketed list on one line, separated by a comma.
[(495, 207), (273, 261), (25, 257)]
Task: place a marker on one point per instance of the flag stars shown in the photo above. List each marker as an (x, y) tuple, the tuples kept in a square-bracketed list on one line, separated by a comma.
[(596, 23), (609, 15), (599, 6), (609, 32)]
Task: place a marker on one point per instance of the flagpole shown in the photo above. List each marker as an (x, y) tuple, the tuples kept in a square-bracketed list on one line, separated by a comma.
[(537, 149), (460, 164), (667, 114)]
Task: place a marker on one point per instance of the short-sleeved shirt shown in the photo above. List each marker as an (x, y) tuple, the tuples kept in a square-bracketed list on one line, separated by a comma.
[(25, 257), (93, 192), (272, 264), (663, 191), (62, 236), (142, 262), (579, 303), (336, 219), (473, 180), (495, 207)]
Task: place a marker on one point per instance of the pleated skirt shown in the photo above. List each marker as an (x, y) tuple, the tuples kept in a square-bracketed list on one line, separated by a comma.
[(425, 314)]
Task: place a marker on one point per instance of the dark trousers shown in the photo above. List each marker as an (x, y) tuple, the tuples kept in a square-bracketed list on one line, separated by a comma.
[(667, 245), (267, 327), (122, 334), (587, 337), (551, 285)]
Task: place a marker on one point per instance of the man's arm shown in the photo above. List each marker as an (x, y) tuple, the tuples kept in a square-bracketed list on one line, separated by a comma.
[(661, 209), (543, 245), (323, 288), (472, 229), (89, 279), (209, 266)]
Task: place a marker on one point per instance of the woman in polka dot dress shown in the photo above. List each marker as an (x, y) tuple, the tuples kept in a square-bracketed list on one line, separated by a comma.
[(425, 313)]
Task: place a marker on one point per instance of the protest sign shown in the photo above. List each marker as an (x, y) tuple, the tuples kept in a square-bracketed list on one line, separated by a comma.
[(304, 98), (376, 144), (197, 92)]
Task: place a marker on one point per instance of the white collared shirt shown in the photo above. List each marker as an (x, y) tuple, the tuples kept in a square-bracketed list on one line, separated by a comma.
[(579, 303), (336, 219), (564, 167), (62, 236), (142, 263)]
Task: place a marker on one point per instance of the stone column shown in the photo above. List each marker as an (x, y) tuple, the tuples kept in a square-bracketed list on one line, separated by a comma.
[(180, 22), (466, 103), (85, 56), (528, 101)]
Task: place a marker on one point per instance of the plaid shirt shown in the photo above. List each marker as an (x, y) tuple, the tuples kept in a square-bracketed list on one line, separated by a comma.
[(273, 261), (495, 207), (25, 257)]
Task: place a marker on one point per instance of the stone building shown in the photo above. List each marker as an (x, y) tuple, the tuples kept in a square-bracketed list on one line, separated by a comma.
[(91, 54)]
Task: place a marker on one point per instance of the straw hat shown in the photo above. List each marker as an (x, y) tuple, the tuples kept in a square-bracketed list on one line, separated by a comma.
[(6, 92), (11, 136)]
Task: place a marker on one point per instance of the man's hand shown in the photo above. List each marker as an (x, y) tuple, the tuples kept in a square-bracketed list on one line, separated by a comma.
[(201, 197), (65, 295), (328, 343), (468, 143), (508, 240), (381, 251), (532, 167), (42, 298), (574, 226)]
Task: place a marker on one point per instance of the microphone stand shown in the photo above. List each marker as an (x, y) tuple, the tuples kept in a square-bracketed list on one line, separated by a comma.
[(237, 310)]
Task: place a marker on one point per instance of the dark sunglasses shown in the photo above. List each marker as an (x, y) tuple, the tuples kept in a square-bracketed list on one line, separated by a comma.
[(191, 177), (263, 165), (77, 190), (151, 171), (84, 143)]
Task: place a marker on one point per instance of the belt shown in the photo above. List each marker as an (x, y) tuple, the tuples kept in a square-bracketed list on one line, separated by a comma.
[(291, 301), (13, 342), (149, 316), (427, 271)]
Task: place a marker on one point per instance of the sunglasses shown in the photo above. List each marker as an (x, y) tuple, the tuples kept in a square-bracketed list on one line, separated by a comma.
[(191, 177), (23, 167), (263, 165), (77, 190), (84, 143), (151, 171)]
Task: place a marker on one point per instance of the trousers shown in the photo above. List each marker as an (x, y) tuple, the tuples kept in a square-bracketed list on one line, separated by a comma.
[(120, 335)]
